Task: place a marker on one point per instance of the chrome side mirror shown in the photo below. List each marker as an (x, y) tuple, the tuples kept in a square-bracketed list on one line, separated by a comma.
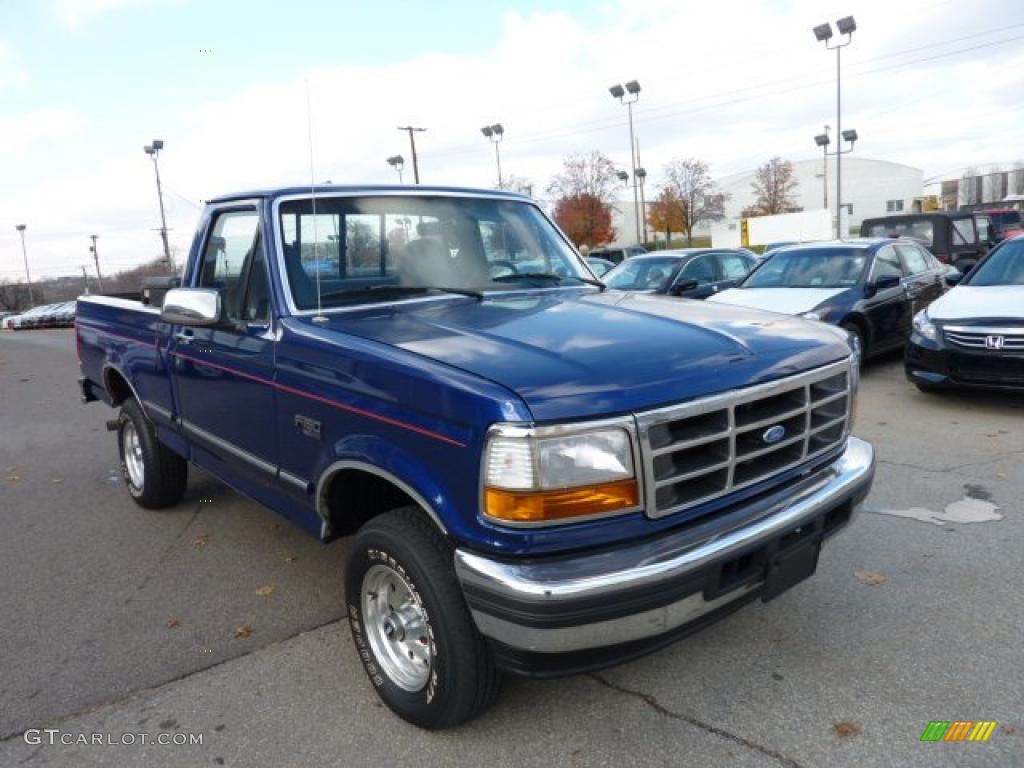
[(191, 306)]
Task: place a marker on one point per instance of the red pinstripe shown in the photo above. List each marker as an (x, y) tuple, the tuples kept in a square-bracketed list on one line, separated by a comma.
[(324, 400)]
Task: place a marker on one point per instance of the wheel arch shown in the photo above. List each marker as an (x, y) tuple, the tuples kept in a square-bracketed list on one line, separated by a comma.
[(368, 488), (119, 388)]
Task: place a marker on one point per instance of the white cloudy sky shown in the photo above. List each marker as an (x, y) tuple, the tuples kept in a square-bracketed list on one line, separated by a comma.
[(938, 84)]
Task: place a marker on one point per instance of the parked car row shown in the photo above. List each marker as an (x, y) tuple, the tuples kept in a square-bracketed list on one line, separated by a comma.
[(60, 315), (959, 329)]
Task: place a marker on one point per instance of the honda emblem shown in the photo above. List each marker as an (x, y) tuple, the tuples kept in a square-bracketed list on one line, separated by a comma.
[(995, 342)]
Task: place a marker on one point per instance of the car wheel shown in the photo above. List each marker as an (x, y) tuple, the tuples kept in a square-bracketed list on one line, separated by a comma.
[(156, 476), (411, 626), (856, 341)]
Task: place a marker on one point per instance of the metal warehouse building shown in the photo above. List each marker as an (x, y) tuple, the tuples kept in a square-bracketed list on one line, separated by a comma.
[(870, 188)]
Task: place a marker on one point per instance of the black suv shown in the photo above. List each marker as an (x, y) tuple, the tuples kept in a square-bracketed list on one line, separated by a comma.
[(959, 238)]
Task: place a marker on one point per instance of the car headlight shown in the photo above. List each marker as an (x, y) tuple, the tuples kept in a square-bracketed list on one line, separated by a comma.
[(924, 326), (551, 475), (812, 315)]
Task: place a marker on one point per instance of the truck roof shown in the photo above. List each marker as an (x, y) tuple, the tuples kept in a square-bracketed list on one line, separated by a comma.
[(366, 189)]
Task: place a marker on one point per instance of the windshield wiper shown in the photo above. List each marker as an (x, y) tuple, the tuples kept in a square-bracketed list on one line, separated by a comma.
[(400, 290), (549, 276)]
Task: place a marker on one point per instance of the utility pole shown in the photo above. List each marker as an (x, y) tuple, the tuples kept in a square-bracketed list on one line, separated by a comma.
[(153, 150), (96, 258), (412, 145), (24, 255), (85, 280)]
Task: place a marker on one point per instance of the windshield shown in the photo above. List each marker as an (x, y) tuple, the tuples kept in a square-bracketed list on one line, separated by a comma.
[(810, 268), (363, 249), (1004, 267), (641, 274)]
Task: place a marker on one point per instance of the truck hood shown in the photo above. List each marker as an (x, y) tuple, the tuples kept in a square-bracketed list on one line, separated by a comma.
[(966, 302), (790, 301), (573, 354)]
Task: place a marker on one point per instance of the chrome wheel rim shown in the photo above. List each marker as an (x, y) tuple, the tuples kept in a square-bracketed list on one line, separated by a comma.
[(396, 628), (132, 449)]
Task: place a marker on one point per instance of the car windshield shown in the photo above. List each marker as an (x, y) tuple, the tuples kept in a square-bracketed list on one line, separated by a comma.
[(1004, 267), (377, 248), (919, 228), (641, 274), (810, 268)]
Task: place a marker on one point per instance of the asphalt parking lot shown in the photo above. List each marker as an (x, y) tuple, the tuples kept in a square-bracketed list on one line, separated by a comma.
[(121, 621)]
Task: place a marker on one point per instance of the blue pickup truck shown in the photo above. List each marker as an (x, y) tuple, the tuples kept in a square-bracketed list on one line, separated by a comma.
[(542, 476)]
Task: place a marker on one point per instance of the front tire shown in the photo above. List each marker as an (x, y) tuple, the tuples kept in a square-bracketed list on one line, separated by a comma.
[(156, 476), (411, 626)]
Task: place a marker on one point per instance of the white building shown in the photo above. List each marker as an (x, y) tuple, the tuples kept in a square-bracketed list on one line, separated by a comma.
[(870, 188)]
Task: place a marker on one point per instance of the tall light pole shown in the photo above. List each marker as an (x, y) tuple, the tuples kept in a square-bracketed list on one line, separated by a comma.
[(495, 133), (641, 176), (823, 32), (412, 144), (618, 92), (398, 163), (96, 258), (153, 150), (822, 140), (24, 255)]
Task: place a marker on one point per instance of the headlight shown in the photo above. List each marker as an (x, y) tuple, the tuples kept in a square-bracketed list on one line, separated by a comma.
[(924, 326), (812, 315), (548, 475)]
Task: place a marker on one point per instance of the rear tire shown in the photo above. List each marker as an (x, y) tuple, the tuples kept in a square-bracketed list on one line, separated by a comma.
[(156, 476), (411, 626)]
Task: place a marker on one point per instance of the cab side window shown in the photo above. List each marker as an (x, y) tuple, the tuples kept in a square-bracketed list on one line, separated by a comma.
[(734, 266), (234, 263)]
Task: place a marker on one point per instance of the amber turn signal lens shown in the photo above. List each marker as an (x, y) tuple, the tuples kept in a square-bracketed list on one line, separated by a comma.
[(562, 504)]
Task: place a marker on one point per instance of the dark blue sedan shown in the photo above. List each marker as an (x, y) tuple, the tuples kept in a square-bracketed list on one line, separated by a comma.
[(871, 287)]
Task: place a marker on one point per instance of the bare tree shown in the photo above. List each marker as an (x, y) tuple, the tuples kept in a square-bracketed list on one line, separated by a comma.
[(520, 184), (773, 187), (690, 180), (592, 175)]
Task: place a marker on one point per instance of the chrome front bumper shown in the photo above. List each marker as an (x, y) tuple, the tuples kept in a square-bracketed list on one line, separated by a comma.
[(642, 591)]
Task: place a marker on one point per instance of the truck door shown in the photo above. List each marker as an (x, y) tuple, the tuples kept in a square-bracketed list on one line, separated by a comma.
[(224, 373)]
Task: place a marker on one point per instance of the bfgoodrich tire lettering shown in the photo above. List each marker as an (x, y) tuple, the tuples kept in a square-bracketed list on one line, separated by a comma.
[(154, 475), (450, 676)]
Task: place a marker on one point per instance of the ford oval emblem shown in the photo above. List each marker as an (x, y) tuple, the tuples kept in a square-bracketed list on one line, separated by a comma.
[(774, 434)]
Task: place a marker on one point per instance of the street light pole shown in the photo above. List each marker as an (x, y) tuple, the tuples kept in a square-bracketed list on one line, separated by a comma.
[(495, 133), (641, 176), (24, 256), (96, 258), (823, 32), (412, 144), (153, 150), (823, 140), (618, 92)]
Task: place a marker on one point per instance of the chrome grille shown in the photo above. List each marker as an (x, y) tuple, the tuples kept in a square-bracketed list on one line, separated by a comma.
[(978, 337), (705, 449)]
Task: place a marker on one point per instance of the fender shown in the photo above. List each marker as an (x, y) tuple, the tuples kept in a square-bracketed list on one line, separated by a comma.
[(107, 368)]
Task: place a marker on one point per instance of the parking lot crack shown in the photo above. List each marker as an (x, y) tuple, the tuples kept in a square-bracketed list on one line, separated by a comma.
[(661, 709), (170, 545)]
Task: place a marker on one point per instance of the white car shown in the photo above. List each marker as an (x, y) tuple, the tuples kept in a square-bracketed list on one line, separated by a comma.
[(974, 335)]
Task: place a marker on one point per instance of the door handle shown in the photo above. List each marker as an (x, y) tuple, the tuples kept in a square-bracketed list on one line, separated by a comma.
[(185, 337)]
